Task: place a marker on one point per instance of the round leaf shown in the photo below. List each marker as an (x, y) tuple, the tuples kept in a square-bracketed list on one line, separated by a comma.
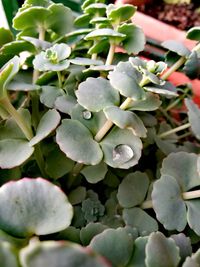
[(161, 251), (85, 61), (101, 93), (133, 189), (33, 206), (192, 66), (184, 244), (77, 195), (99, 33), (76, 141), (176, 47), (49, 94), (183, 167), (193, 214), (138, 256), (121, 148), (89, 231), (14, 152), (193, 116), (120, 13), (114, 244), (139, 219), (48, 124), (7, 255), (150, 103), (194, 33), (168, 203), (96, 173), (126, 119), (135, 38), (57, 254)]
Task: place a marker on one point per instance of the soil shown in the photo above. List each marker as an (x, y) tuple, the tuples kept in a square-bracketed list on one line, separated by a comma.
[(182, 16)]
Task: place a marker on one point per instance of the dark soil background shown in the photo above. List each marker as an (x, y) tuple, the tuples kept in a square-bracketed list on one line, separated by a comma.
[(182, 16)]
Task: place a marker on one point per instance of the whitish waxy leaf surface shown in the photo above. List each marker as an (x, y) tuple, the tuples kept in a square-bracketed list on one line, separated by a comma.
[(126, 119), (7, 255), (99, 33), (194, 117), (168, 203), (101, 93), (96, 173), (47, 124), (121, 148), (161, 251), (76, 141), (133, 189), (193, 214), (114, 244), (59, 254), (33, 206), (14, 152), (135, 38), (138, 256), (89, 231), (176, 47)]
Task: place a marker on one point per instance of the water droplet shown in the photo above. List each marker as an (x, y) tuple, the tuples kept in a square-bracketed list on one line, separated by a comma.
[(87, 115), (122, 154)]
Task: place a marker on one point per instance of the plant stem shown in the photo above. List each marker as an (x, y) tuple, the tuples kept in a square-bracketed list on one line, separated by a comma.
[(173, 68), (17, 117), (74, 173), (191, 195), (175, 130), (111, 54), (3, 113), (147, 205), (103, 131), (176, 102), (40, 159), (59, 79)]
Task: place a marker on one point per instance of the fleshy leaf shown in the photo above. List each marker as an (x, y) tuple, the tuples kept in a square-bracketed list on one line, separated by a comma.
[(77, 195), (184, 244), (150, 103), (126, 79), (136, 217), (48, 123), (183, 167), (33, 206), (120, 13), (101, 93), (192, 66), (161, 251), (6, 36), (121, 148), (96, 8), (57, 254), (114, 244), (138, 256), (194, 117), (168, 203), (65, 103), (96, 173), (57, 164), (126, 119), (39, 44), (76, 141), (14, 152), (85, 61), (194, 33), (99, 33), (49, 94), (8, 255), (135, 38), (91, 230), (193, 207), (176, 47), (133, 189)]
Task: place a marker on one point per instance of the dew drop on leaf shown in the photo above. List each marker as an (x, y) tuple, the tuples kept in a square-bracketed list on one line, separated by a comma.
[(87, 114), (122, 154)]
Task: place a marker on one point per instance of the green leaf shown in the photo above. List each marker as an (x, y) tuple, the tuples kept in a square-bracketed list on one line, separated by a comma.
[(96, 8), (96, 173), (120, 13), (60, 19), (57, 254), (194, 33), (99, 33), (138, 256), (168, 203), (22, 86), (77, 195), (85, 61), (114, 244), (100, 46), (76, 141), (184, 244), (33, 206), (193, 207), (121, 148), (126, 80), (6, 36), (190, 262), (126, 119), (14, 152), (82, 20), (161, 251), (39, 44), (65, 103), (91, 230), (32, 17), (7, 72), (192, 66), (161, 90), (183, 167), (193, 116), (176, 47), (136, 217), (16, 47), (150, 103), (101, 93), (57, 164), (8, 255), (133, 189), (49, 95), (135, 38), (47, 124)]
